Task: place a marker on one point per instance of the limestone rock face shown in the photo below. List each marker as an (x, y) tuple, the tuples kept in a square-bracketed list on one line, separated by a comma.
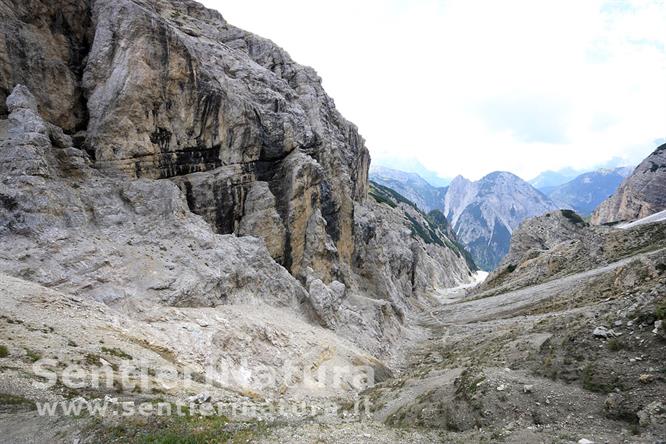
[(30, 145), (169, 157), (174, 90), (399, 252), (262, 220), (43, 45), (66, 226), (485, 213), (640, 195), (168, 89)]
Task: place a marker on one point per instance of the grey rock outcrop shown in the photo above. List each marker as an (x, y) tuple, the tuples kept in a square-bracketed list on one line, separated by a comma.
[(262, 220), (66, 226), (560, 243), (165, 89), (640, 195), (43, 45), (483, 214), (400, 252)]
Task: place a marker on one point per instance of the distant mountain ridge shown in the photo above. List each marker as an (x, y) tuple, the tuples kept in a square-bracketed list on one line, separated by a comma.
[(548, 180), (481, 214), (410, 165), (585, 192), (412, 186)]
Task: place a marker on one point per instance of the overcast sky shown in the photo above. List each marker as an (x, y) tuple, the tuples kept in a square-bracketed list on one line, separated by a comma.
[(473, 86)]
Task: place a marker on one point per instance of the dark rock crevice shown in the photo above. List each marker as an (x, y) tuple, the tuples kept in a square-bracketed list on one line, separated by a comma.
[(32, 55)]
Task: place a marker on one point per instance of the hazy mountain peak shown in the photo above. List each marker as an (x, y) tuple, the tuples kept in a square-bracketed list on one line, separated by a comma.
[(586, 191), (411, 185), (500, 175), (484, 213), (459, 179)]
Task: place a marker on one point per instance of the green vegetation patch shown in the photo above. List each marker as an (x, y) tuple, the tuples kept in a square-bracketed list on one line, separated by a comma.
[(615, 344), (33, 355), (117, 353), (176, 429), (468, 384), (573, 217), (660, 309), (388, 196), (596, 381), (4, 351), (7, 400)]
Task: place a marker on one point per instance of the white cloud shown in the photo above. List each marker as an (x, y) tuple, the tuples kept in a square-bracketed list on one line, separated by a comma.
[(472, 86)]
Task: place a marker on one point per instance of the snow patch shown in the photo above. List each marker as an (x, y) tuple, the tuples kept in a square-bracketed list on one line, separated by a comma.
[(657, 217)]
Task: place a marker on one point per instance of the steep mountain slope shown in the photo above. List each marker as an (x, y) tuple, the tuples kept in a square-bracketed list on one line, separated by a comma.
[(484, 213), (410, 185), (584, 193), (640, 195), (195, 197), (165, 89)]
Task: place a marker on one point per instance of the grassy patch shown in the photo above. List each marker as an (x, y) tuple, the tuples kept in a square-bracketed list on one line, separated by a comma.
[(660, 309), (615, 344), (178, 430), (469, 382), (4, 352), (573, 217), (32, 355), (92, 359), (14, 401), (595, 381), (116, 352)]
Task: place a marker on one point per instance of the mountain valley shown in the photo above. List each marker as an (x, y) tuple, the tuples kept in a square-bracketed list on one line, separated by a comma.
[(196, 248)]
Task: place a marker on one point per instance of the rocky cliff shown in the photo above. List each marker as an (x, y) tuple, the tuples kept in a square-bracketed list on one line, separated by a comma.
[(149, 112), (640, 195), (158, 89), (484, 213)]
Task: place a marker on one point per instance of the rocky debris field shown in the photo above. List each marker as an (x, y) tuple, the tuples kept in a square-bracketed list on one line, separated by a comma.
[(549, 363)]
